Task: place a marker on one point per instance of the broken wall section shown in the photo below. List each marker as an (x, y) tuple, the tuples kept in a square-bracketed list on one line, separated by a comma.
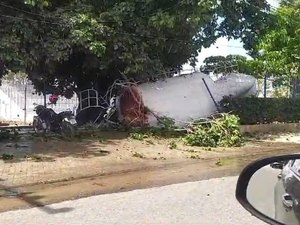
[(182, 98)]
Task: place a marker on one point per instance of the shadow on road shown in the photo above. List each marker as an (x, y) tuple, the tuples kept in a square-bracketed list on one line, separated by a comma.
[(32, 200)]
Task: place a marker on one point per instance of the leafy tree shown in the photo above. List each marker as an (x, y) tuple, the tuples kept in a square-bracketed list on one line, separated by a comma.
[(230, 64), (85, 43), (215, 64), (281, 45), (290, 3)]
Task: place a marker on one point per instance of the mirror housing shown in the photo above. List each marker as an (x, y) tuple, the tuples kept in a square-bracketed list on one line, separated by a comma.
[(276, 162)]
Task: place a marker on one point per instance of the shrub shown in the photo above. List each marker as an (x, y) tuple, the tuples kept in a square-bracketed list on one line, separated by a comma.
[(254, 110)]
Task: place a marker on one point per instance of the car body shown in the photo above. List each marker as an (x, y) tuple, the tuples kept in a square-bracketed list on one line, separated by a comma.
[(287, 193)]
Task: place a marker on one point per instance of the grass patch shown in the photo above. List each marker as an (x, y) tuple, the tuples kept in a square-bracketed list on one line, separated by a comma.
[(138, 136)]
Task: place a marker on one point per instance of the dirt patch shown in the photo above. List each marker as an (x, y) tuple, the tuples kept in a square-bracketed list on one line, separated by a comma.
[(33, 161), (285, 138), (46, 171)]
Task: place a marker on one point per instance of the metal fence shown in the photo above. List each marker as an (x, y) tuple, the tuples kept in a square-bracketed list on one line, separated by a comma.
[(17, 102)]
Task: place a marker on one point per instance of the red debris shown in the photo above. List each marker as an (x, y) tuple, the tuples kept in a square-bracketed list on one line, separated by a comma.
[(132, 107), (53, 99)]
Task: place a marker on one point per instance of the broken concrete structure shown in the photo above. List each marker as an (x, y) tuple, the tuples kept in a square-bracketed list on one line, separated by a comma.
[(182, 98)]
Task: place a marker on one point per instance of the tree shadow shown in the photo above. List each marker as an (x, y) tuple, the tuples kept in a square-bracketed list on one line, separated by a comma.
[(33, 200), (49, 148)]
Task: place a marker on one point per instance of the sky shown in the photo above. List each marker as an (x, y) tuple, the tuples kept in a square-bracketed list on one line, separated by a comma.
[(223, 47)]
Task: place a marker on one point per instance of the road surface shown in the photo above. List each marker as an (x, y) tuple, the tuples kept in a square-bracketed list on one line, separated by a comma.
[(205, 202)]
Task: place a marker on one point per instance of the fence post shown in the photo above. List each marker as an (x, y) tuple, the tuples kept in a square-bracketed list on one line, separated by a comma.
[(265, 86), (44, 93), (25, 103)]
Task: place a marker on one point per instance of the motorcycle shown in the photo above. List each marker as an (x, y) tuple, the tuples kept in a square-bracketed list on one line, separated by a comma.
[(48, 120), (269, 189)]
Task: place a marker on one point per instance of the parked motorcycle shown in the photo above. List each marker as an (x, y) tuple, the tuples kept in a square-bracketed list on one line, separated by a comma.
[(48, 120), (270, 189)]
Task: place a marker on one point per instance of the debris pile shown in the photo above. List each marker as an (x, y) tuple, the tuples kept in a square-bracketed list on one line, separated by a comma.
[(182, 98)]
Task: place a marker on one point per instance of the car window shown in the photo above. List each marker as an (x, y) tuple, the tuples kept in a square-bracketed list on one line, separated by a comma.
[(296, 164), (295, 167)]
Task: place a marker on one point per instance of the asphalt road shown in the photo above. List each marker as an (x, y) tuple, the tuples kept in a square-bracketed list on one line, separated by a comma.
[(204, 202)]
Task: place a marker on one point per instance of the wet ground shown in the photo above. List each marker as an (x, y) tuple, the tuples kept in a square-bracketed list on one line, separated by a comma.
[(47, 170)]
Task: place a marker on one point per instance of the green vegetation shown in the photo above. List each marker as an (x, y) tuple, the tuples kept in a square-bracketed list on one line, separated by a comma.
[(166, 129), (91, 43), (220, 132), (138, 136), (280, 44), (263, 110), (275, 54), (223, 131), (229, 64)]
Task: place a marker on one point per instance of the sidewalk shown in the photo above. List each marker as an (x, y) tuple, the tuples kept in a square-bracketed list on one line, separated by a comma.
[(36, 161)]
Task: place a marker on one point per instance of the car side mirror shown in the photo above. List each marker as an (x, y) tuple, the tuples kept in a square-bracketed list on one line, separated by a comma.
[(270, 189)]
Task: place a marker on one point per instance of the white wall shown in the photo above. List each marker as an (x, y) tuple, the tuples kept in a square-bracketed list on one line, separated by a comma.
[(186, 97), (9, 110), (12, 102)]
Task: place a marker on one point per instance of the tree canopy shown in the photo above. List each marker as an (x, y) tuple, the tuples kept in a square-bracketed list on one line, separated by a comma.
[(280, 46), (230, 64), (90, 42)]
